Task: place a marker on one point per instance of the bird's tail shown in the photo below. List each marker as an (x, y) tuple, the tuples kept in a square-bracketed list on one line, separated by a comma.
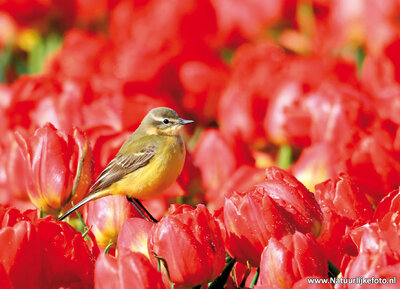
[(80, 204)]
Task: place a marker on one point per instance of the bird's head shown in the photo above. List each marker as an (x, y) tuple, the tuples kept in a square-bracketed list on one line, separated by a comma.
[(163, 121)]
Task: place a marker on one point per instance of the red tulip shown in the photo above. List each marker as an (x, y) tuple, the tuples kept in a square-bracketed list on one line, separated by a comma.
[(46, 253), (22, 258), (106, 216), (67, 259), (294, 197), (373, 161), (59, 168), (189, 240), (128, 270), (344, 207), (341, 195), (134, 236), (11, 216), (285, 261), (251, 219), (377, 247)]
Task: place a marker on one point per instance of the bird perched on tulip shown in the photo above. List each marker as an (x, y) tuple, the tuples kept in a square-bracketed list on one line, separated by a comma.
[(147, 163)]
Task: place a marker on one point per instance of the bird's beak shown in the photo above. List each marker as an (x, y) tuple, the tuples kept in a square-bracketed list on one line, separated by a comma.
[(185, 121)]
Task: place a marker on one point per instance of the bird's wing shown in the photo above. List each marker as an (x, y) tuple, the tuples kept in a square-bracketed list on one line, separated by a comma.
[(122, 165)]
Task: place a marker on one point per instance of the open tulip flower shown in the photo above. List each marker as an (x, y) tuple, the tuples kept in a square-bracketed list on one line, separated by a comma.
[(289, 176)]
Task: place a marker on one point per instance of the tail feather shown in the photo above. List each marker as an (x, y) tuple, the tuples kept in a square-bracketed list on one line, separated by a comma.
[(77, 206)]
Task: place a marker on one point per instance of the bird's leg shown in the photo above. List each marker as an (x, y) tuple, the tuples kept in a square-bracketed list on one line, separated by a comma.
[(141, 209)]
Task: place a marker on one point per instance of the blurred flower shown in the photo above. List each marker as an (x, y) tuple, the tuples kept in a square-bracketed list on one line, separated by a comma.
[(251, 219), (285, 261), (373, 161), (105, 217), (292, 117), (29, 12), (51, 153), (242, 20), (80, 56), (217, 159), (244, 101), (27, 94), (378, 79), (240, 180), (127, 270), (189, 241), (14, 167), (134, 235), (317, 163), (202, 81)]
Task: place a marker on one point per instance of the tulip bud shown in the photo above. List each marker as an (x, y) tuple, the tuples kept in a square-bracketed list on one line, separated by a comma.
[(189, 241), (251, 219), (59, 168), (106, 216), (295, 198), (128, 270), (285, 261)]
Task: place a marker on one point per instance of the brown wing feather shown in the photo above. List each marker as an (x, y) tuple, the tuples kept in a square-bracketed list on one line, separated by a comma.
[(120, 166)]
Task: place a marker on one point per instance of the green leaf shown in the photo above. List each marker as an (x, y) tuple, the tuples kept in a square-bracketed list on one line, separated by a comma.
[(220, 281), (284, 158)]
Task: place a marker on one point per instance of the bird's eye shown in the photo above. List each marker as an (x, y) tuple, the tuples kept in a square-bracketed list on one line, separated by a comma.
[(166, 121)]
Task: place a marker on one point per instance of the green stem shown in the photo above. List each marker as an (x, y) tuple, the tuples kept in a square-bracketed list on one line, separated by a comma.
[(284, 158), (255, 279), (80, 219), (246, 275), (86, 232), (333, 270), (107, 249)]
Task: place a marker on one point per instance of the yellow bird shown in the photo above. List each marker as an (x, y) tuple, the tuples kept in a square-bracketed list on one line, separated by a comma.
[(147, 163)]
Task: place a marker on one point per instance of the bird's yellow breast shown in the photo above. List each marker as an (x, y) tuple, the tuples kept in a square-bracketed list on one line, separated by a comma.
[(162, 170)]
